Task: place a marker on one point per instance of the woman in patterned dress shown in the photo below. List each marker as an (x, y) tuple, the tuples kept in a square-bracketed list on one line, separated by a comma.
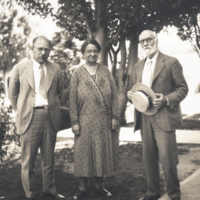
[(94, 112)]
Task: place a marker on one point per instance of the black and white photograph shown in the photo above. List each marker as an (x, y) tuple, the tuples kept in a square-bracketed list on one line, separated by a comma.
[(100, 99)]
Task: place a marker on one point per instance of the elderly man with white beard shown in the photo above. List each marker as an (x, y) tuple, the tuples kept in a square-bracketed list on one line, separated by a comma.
[(163, 75)]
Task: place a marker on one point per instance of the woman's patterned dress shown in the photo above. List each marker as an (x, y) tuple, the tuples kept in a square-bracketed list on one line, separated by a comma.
[(96, 149)]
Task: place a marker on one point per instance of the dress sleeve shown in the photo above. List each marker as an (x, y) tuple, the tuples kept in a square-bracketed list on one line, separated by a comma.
[(73, 99), (115, 99)]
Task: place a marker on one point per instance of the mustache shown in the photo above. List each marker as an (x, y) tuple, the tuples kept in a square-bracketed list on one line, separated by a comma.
[(147, 47), (42, 57)]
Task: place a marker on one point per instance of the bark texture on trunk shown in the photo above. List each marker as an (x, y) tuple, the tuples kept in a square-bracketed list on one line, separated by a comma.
[(132, 59), (101, 34), (122, 81)]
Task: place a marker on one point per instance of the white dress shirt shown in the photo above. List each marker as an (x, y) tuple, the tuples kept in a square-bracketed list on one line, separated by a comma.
[(147, 75), (39, 100), (149, 66)]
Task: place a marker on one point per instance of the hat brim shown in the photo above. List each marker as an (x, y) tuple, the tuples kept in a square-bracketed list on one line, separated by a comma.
[(144, 88)]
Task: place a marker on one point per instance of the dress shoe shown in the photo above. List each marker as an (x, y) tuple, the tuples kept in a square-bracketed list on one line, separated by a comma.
[(53, 196), (79, 195), (143, 198), (103, 192), (149, 198)]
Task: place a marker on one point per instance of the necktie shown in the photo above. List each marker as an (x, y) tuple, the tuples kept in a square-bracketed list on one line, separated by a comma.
[(147, 74), (42, 87), (151, 73)]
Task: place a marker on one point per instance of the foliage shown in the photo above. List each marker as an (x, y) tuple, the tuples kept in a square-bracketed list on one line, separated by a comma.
[(37, 7), (14, 30), (189, 27), (79, 17), (191, 122), (7, 131), (64, 53)]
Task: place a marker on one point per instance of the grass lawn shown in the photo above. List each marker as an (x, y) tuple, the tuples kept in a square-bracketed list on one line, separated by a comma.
[(128, 183)]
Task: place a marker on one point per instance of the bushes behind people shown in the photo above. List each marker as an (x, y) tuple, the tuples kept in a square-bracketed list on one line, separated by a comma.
[(7, 129)]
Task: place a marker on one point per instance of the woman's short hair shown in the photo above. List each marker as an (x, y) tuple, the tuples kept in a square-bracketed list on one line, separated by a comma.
[(90, 41)]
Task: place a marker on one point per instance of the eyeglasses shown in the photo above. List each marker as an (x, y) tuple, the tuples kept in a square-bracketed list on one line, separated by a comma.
[(94, 52), (148, 40), (42, 49)]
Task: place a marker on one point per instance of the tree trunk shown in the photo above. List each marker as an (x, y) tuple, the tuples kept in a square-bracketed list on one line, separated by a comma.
[(101, 34), (132, 59), (127, 80), (114, 64), (113, 57), (122, 81)]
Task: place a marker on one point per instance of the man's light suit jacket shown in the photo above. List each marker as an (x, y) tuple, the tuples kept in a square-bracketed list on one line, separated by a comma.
[(22, 93), (168, 80)]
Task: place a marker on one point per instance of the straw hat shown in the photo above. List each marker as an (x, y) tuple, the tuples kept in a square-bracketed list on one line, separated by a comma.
[(142, 99)]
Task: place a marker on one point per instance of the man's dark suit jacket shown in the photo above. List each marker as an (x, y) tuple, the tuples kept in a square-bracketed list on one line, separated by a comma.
[(168, 80)]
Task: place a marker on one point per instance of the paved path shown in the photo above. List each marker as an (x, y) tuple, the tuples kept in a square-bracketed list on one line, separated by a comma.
[(127, 135), (190, 187)]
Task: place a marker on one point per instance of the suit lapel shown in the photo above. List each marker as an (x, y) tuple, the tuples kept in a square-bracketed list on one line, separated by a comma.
[(50, 74), (159, 66), (30, 75)]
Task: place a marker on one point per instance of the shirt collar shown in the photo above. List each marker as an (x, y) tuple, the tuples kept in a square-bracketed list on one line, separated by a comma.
[(153, 59), (36, 65)]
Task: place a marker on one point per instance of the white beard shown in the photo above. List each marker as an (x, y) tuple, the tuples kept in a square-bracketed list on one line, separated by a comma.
[(149, 52)]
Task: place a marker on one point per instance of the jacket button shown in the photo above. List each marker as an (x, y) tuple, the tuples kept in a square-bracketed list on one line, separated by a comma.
[(33, 95)]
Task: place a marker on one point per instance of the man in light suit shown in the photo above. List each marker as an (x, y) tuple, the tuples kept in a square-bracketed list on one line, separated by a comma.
[(34, 91), (164, 75)]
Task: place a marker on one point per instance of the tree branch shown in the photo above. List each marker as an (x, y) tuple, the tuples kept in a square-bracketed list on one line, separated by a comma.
[(110, 55), (114, 37)]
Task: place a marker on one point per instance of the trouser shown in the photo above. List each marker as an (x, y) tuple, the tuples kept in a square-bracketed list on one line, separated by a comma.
[(157, 142), (40, 134)]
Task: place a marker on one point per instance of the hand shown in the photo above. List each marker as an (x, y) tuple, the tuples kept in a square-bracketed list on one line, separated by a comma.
[(129, 94), (76, 129), (115, 124), (160, 101)]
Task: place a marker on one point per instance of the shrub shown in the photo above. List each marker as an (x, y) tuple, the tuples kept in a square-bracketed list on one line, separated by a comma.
[(66, 55), (7, 130)]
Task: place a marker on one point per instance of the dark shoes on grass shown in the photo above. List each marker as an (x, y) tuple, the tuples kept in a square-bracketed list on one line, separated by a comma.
[(79, 195), (48, 196), (103, 192), (55, 196), (149, 198)]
